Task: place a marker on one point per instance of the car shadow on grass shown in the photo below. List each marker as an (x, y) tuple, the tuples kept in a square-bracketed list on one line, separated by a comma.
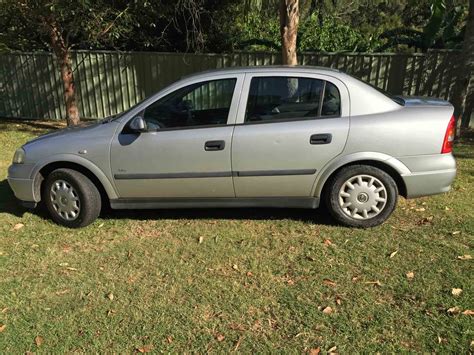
[(9, 204), (318, 216)]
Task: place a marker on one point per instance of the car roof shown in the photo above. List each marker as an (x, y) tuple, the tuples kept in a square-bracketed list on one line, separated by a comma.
[(265, 68)]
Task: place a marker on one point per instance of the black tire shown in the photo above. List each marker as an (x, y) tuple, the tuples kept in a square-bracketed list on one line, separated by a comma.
[(85, 192), (345, 174)]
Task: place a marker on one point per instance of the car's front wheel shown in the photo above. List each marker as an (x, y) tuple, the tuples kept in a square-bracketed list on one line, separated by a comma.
[(71, 198), (361, 196)]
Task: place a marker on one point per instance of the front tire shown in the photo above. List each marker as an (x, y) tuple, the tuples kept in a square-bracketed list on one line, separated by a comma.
[(361, 196), (71, 198)]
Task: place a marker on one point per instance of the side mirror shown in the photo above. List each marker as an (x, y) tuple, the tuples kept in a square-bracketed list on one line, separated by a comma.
[(138, 124)]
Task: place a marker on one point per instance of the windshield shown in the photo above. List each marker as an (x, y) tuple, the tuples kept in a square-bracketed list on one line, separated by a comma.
[(119, 115)]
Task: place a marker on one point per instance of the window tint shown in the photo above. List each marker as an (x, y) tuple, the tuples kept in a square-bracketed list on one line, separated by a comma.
[(284, 98), (206, 103), (331, 101)]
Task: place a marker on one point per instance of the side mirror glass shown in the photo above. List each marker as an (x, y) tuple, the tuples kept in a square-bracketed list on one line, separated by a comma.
[(138, 124)]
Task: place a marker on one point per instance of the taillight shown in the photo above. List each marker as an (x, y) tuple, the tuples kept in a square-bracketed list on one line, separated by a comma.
[(449, 137)]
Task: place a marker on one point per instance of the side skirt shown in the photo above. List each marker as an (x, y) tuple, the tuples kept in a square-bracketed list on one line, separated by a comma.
[(224, 202)]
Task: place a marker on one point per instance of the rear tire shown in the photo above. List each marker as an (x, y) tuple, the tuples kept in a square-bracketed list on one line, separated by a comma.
[(361, 196), (71, 198)]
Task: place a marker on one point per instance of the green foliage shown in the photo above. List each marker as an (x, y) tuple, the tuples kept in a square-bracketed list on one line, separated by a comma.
[(228, 25), (256, 32), (442, 30), (25, 25), (331, 36)]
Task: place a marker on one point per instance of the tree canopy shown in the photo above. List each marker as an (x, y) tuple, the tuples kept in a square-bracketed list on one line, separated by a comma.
[(229, 25)]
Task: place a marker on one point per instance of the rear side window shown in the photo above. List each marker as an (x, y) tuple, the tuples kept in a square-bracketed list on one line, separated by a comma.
[(332, 101), (291, 98)]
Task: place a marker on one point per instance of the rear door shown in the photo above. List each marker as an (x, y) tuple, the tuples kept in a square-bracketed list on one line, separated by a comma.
[(288, 127)]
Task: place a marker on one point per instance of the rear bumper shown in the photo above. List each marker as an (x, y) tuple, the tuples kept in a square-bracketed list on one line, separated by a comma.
[(430, 174)]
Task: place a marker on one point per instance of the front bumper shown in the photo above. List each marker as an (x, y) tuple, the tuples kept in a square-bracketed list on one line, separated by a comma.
[(430, 174), (22, 188), (22, 185)]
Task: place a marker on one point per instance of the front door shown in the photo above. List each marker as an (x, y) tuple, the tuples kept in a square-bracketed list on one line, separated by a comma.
[(186, 150), (286, 132)]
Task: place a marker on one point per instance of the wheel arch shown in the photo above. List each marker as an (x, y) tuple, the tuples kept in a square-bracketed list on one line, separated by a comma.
[(98, 178), (388, 164)]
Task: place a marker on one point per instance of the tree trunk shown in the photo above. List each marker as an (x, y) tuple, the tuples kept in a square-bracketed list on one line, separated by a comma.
[(289, 19), (464, 84), (63, 56)]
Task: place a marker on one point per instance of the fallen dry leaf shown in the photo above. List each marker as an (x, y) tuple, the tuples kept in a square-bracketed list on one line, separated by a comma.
[(327, 310), (145, 349), (465, 257), (100, 225), (2, 327), (425, 220), (392, 254), (314, 351), (38, 341), (327, 242), (220, 337), (235, 267), (456, 291), (329, 282), (468, 312), (249, 273), (421, 209), (453, 310), (376, 283), (18, 226), (338, 301), (110, 296), (410, 275), (456, 232), (200, 240), (169, 339), (61, 292), (333, 349)]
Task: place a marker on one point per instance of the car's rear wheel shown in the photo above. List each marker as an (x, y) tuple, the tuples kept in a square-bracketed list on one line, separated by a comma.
[(71, 198), (361, 196)]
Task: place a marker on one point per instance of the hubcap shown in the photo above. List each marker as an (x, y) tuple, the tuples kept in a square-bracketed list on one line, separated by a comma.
[(65, 200), (362, 197)]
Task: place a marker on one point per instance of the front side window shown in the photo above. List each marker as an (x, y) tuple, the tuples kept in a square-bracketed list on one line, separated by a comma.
[(288, 98), (201, 104)]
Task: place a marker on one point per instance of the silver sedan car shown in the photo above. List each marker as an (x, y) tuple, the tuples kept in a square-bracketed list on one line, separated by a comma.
[(246, 137)]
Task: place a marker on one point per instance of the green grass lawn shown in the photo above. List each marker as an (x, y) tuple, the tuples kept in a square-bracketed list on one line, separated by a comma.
[(245, 280)]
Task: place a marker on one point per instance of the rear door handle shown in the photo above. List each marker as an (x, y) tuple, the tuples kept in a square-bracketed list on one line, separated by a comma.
[(322, 138), (214, 145)]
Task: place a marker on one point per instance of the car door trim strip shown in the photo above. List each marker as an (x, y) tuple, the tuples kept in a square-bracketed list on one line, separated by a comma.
[(276, 172), (173, 175), (215, 174)]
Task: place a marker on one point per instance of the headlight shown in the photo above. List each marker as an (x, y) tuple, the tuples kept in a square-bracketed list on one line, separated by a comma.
[(19, 157)]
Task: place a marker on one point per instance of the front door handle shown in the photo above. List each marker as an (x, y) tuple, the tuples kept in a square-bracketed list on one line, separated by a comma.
[(214, 145), (322, 138)]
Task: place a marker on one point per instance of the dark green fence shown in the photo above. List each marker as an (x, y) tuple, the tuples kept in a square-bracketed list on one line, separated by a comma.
[(110, 82)]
